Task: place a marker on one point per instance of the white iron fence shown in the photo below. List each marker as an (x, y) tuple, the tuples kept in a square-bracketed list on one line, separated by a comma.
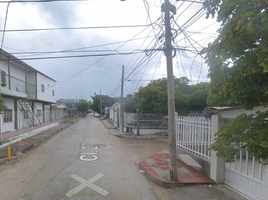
[(194, 135), (247, 174)]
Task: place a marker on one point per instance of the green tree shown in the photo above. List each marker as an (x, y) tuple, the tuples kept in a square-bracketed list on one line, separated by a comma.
[(82, 106), (2, 104), (105, 100), (245, 132), (153, 97), (238, 57), (238, 66)]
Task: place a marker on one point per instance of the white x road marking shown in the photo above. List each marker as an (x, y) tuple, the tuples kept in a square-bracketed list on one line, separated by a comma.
[(88, 183)]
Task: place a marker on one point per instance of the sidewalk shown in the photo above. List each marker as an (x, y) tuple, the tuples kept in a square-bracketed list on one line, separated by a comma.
[(156, 168), (32, 138)]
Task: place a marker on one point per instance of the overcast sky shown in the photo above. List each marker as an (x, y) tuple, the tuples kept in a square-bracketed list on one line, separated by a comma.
[(97, 37)]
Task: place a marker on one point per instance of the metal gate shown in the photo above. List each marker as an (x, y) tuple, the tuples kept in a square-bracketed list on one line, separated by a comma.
[(247, 175)]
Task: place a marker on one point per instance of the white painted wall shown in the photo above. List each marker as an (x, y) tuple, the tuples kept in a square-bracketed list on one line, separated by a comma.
[(50, 85), (4, 66), (17, 72), (9, 126), (39, 106), (47, 113), (58, 114), (233, 113)]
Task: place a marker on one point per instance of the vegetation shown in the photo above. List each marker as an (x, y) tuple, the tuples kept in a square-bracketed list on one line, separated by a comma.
[(238, 57), (82, 106), (153, 98), (2, 104), (245, 132), (105, 100), (238, 65)]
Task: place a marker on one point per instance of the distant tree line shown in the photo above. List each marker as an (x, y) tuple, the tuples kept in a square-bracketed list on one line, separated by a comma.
[(153, 98), (105, 101)]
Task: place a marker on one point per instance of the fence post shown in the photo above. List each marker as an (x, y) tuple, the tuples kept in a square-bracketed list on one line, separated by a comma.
[(217, 165), (138, 121), (117, 117)]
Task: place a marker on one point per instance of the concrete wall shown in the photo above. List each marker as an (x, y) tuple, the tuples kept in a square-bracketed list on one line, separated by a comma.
[(150, 131)]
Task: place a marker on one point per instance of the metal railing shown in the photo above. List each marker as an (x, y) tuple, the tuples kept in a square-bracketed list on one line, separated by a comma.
[(147, 121), (194, 135), (31, 91), (17, 84)]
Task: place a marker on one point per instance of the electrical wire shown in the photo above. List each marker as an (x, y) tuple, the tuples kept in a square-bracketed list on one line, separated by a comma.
[(75, 28), (98, 60), (118, 85), (39, 1)]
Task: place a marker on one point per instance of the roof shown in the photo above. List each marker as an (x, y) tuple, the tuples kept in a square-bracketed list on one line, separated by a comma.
[(218, 109), (60, 105), (116, 104), (20, 62), (67, 100)]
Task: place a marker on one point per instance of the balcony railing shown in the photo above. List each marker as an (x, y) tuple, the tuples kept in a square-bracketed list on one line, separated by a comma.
[(19, 86)]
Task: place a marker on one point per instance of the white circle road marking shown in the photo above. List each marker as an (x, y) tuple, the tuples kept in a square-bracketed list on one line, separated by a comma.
[(88, 183), (88, 159)]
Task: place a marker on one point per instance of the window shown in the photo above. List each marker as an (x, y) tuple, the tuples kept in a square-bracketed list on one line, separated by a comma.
[(3, 78), (53, 93), (7, 115), (39, 113), (42, 88), (25, 115)]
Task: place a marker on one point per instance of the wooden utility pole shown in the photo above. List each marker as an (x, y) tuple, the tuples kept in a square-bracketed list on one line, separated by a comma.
[(166, 7)]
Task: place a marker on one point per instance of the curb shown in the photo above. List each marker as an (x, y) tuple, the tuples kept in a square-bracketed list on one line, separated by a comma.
[(28, 134), (42, 140), (105, 124), (38, 142), (140, 137), (172, 183), (162, 183)]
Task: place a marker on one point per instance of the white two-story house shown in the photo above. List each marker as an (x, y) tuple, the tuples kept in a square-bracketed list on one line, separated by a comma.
[(27, 93)]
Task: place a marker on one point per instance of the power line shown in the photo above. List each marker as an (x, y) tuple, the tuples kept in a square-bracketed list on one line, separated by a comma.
[(39, 1), (80, 56), (117, 87), (98, 60), (74, 28)]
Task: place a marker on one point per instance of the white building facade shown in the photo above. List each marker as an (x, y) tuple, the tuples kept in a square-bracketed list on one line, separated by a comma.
[(27, 93)]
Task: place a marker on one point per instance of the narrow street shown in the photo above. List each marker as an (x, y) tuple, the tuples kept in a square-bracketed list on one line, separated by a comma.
[(86, 161)]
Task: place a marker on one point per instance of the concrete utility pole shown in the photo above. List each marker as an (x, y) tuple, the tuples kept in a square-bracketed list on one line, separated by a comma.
[(167, 7), (121, 104), (100, 104)]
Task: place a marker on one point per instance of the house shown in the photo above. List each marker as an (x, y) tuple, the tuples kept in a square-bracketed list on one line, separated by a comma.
[(27, 93), (106, 111), (59, 111), (71, 104), (114, 113), (247, 173)]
